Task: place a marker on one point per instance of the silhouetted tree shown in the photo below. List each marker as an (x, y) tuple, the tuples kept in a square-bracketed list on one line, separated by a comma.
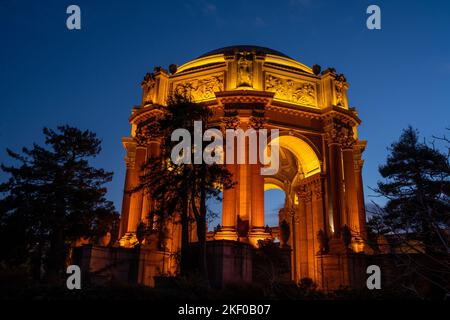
[(185, 187), (52, 198), (417, 186)]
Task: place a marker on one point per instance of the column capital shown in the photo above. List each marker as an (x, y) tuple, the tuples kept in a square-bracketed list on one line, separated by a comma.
[(313, 185), (359, 148), (257, 120), (304, 193), (293, 215), (230, 120), (317, 191), (130, 147), (359, 163), (340, 132)]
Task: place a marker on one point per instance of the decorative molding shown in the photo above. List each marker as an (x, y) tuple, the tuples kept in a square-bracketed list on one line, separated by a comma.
[(288, 110), (244, 96)]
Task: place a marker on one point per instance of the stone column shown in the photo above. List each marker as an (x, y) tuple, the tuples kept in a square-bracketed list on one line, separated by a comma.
[(295, 243), (360, 146), (350, 189), (229, 203), (153, 150), (310, 235), (304, 199), (335, 177), (135, 212), (229, 196), (244, 183), (257, 229), (257, 197), (132, 202), (319, 223), (130, 147)]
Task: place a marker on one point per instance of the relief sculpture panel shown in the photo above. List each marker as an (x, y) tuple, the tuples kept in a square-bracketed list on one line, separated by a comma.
[(293, 91), (201, 89)]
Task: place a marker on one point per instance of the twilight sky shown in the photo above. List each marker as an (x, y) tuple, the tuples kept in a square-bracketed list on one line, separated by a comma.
[(90, 78)]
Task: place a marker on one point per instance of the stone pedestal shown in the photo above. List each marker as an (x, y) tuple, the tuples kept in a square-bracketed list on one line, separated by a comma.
[(226, 233), (228, 261), (257, 234), (342, 270)]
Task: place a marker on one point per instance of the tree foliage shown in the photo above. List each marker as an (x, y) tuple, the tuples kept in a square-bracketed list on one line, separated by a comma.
[(416, 216), (181, 188), (52, 198), (417, 186)]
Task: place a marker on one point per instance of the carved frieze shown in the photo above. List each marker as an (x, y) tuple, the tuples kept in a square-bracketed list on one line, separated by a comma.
[(201, 89), (292, 91)]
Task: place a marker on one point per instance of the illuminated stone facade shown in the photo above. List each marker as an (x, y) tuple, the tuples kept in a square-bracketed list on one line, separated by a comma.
[(320, 155)]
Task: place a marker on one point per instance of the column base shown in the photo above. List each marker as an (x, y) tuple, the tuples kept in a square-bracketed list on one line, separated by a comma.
[(336, 246), (257, 234), (226, 233), (358, 245), (128, 240)]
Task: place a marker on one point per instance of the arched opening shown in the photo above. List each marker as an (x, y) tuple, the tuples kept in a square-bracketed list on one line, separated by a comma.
[(297, 161), (305, 156), (274, 199)]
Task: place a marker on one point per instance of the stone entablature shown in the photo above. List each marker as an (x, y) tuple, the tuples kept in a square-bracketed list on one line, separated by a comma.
[(291, 81)]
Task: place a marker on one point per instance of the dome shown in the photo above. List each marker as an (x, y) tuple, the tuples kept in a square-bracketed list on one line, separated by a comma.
[(243, 48), (217, 57)]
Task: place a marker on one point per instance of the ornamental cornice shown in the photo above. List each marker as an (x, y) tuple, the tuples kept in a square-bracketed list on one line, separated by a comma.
[(291, 109), (244, 96), (343, 115), (140, 114)]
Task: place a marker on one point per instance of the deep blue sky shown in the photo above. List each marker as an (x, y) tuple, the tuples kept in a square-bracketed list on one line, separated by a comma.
[(399, 75)]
